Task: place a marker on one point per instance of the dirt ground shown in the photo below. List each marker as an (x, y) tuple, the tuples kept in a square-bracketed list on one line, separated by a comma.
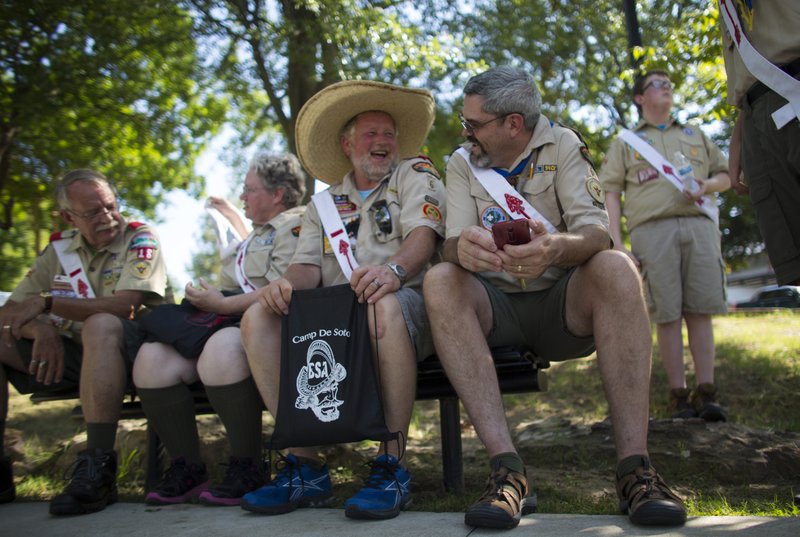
[(565, 460)]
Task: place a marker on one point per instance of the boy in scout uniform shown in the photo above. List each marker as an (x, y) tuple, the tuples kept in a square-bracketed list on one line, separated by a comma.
[(362, 138), (273, 187), (70, 322), (674, 240), (564, 293)]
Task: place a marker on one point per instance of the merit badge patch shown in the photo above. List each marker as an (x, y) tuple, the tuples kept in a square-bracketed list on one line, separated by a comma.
[(141, 269), (492, 215), (432, 213), (647, 174), (296, 230), (425, 167), (596, 192), (143, 240)]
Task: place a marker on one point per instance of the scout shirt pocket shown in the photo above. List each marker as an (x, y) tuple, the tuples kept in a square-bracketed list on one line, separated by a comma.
[(541, 193), (489, 211), (384, 220), (695, 151)]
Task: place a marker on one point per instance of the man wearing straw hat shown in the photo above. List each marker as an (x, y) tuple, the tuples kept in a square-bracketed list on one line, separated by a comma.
[(361, 137), (559, 289)]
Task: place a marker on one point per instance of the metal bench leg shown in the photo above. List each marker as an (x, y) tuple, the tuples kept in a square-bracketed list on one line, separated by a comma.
[(452, 461), (154, 449)]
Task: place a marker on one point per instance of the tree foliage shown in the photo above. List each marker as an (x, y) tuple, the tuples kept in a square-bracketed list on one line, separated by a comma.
[(135, 92), (96, 83)]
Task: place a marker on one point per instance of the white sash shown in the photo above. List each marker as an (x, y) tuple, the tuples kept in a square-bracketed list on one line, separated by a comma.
[(244, 282), (227, 236), (666, 169), (514, 204), (765, 71), (71, 264), (336, 232)]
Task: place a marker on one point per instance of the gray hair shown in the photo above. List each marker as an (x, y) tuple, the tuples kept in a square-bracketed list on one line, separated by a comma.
[(84, 175), (281, 171), (507, 90)]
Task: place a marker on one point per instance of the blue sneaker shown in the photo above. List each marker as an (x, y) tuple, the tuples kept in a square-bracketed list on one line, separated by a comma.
[(295, 485), (385, 492)]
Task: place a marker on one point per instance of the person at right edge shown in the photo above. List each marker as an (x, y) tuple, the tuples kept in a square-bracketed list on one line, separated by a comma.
[(674, 240), (564, 294), (768, 151)]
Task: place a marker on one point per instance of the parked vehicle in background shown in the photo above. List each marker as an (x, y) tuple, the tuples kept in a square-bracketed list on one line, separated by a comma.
[(773, 296)]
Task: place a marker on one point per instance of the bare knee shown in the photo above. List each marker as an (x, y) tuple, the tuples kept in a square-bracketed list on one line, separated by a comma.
[(223, 360), (612, 273), (101, 326)]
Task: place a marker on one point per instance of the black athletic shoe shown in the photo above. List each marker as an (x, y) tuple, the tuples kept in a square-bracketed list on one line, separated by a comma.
[(244, 475), (506, 498), (93, 484), (647, 499), (182, 483), (7, 489)]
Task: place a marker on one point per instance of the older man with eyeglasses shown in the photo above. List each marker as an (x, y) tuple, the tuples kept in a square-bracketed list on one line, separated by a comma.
[(557, 288), (674, 235), (70, 322)]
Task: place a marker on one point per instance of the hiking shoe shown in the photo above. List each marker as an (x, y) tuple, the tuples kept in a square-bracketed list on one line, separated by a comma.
[(8, 491), (703, 399), (296, 484), (385, 492), (504, 501), (93, 484), (244, 475), (182, 483), (647, 500), (679, 404)]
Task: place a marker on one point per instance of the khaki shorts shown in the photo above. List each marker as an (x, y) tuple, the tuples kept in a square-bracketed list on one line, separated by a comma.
[(536, 319), (416, 318), (73, 357), (682, 267)]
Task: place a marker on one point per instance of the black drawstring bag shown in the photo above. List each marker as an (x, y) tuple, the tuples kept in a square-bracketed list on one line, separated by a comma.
[(329, 390), (184, 326)]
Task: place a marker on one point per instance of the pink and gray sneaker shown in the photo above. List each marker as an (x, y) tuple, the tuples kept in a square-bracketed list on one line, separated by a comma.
[(182, 483)]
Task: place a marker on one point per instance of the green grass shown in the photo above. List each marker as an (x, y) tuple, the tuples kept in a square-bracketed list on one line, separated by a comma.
[(758, 374)]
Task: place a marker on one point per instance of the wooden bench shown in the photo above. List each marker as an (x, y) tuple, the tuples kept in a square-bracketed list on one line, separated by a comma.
[(518, 371)]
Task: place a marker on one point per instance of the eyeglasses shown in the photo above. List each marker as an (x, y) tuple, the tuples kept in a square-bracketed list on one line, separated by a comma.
[(658, 84), (471, 126), (246, 190), (96, 213)]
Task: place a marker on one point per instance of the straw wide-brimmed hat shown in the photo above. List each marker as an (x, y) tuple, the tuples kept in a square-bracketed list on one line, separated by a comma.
[(320, 122)]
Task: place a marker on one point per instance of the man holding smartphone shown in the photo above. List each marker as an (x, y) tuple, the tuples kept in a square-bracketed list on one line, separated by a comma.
[(564, 293)]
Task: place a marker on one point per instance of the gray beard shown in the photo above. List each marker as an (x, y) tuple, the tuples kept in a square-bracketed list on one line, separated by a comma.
[(376, 172)]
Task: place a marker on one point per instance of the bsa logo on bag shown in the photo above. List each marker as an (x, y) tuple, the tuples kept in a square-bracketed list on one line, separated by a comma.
[(329, 390), (318, 382)]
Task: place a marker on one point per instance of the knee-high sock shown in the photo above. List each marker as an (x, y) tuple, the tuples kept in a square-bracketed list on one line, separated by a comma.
[(239, 406), (170, 412)]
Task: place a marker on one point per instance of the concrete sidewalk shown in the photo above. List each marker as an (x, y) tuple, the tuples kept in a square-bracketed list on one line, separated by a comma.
[(135, 519)]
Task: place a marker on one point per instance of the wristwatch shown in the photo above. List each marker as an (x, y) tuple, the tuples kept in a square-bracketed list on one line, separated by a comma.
[(399, 271), (48, 301)]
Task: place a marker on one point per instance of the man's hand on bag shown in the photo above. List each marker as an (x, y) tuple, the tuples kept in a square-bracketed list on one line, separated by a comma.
[(276, 296), (371, 283)]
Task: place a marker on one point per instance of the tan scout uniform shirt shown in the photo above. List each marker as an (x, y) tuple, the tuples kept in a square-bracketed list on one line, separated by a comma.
[(773, 28), (558, 182), (268, 253), (649, 195), (412, 196), (132, 262)]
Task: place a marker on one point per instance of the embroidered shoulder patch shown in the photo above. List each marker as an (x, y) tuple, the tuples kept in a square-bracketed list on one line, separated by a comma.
[(595, 191), (425, 167), (432, 213), (296, 231)]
